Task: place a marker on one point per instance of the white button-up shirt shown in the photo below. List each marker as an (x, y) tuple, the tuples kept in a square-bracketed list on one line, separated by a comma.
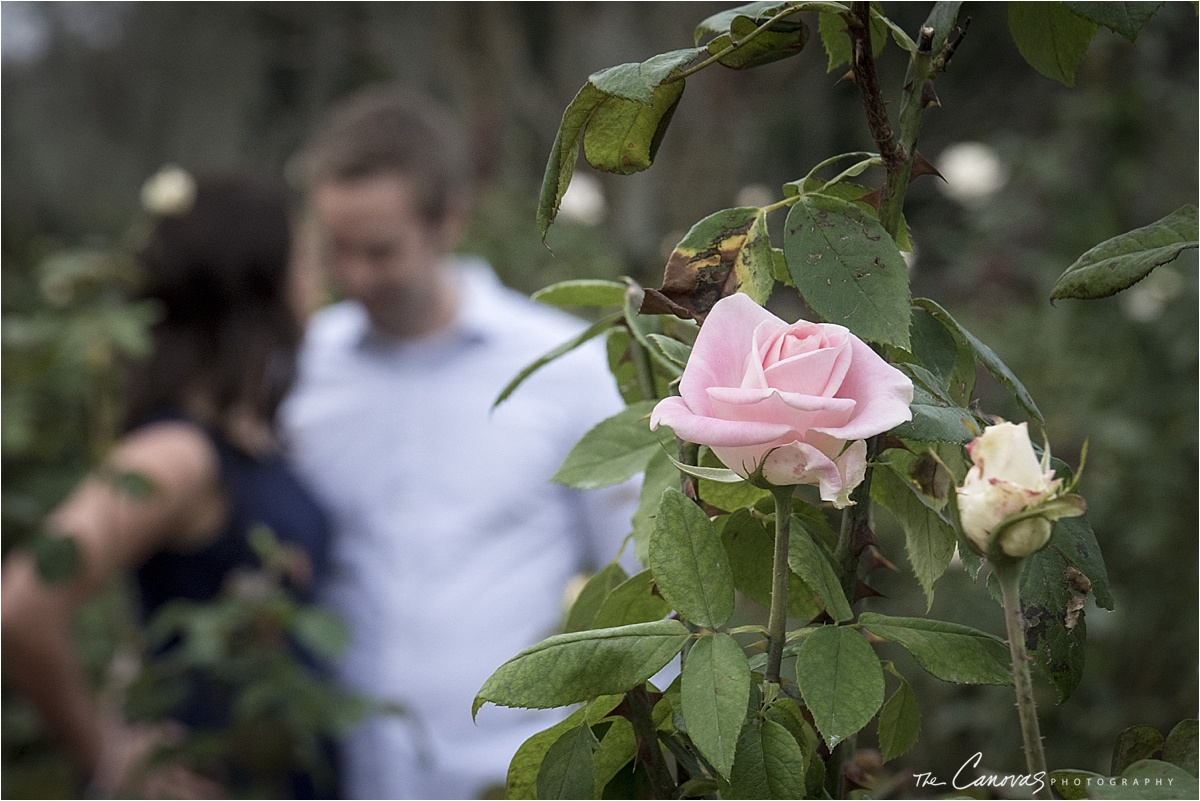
[(451, 545)]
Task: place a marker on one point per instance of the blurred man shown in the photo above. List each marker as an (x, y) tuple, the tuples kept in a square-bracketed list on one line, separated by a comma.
[(451, 547)]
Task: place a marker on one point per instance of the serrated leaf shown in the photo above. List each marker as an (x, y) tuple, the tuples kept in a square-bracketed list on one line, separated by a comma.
[(567, 770), (936, 420), (570, 668), (670, 349), (949, 651), (594, 330), (613, 450), (1183, 745), (811, 564), (1126, 19), (715, 691), (587, 604), (1051, 38), (899, 722), (929, 538), (946, 356), (768, 764), (836, 40), (848, 269), (1122, 261), (660, 474), (1135, 744), (582, 292), (638, 81), (563, 155), (634, 600), (841, 681), (985, 355), (751, 548), (622, 136), (725, 252), (689, 563)]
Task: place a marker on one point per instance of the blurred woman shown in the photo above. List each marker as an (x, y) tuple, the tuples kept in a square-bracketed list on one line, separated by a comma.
[(200, 431)]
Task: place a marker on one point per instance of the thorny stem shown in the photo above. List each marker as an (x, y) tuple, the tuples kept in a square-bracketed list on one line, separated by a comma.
[(649, 752), (1009, 574), (777, 620)]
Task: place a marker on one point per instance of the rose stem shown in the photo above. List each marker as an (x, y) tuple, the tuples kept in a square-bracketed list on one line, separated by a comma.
[(1009, 575), (777, 622)]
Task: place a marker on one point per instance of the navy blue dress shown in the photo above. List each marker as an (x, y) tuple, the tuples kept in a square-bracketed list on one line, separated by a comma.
[(262, 492)]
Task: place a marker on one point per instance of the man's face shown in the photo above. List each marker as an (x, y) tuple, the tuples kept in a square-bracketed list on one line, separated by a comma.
[(382, 251)]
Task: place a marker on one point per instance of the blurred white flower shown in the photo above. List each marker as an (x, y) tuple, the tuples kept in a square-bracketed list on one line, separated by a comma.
[(170, 192), (584, 201), (1145, 300), (973, 171), (755, 195)]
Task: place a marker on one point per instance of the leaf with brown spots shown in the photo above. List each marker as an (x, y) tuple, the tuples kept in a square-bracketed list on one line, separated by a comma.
[(724, 253)]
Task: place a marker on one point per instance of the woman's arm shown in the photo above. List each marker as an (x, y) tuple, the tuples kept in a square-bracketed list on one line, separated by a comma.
[(115, 532)]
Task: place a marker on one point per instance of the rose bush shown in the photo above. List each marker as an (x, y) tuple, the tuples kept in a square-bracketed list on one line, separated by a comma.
[(1006, 480), (794, 400)]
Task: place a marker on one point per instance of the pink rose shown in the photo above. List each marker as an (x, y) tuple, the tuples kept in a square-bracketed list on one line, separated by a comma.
[(796, 400)]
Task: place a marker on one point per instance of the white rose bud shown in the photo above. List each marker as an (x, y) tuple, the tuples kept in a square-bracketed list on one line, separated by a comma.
[(1010, 494)]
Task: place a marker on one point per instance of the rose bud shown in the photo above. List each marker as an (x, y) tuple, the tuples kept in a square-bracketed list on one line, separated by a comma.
[(1009, 500)]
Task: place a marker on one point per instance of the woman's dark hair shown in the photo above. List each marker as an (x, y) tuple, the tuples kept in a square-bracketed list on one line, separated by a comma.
[(220, 270)]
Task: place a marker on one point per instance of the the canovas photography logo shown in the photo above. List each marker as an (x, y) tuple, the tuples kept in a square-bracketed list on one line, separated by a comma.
[(972, 774)]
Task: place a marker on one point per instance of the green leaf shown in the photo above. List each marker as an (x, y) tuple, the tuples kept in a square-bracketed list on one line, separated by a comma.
[(622, 136), (768, 763), (760, 12), (660, 474), (582, 292), (852, 193), (783, 39), (1182, 745), (840, 679), (1052, 39), (583, 611), (1126, 19), (594, 330), (1135, 744), (618, 748), (1149, 778), (899, 722), (689, 562), (1054, 588), (1122, 261), (639, 81), (811, 564), (985, 355), (751, 549), (672, 350), (715, 691), (949, 651), (727, 495), (848, 269), (564, 154), (946, 356), (635, 600), (567, 771), (614, 450), (929, 538), (935, 420), (836, 40), (569, 668)]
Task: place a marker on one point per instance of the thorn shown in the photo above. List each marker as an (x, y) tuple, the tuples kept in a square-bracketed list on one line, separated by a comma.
[(929, 98), (876, 560), (862, 537), (849, 76), (923, 167), (865, 590), (874, 197)]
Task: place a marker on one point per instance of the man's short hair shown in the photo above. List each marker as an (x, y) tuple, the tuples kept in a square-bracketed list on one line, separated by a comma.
[(386, 130)]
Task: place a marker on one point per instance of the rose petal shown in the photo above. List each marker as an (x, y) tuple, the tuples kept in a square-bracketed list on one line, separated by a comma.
[(852, 464), (720, 354), (819, 372), (1003, 451), (883, 392), (799, 463), (711, 431)]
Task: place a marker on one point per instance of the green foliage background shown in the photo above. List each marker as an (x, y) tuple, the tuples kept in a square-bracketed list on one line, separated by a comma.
[(96, 97)]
